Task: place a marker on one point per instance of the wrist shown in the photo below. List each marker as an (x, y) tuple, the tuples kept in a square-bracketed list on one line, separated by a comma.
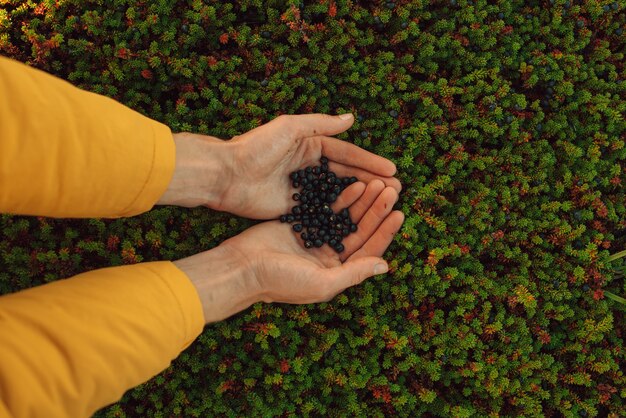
[(225, 282), (202, 172)]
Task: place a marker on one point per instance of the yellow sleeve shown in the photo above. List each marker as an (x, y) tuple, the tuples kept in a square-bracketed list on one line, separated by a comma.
[(66, 152), (70, 347), (73, 346)]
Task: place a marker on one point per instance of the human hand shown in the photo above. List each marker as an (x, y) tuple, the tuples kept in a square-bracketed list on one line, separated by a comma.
[(268, 262), (249, 174)]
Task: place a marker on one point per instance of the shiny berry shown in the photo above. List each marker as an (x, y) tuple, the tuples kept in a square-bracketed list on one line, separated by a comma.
[(308, 244), (353, 228), (283, 218), (296, 196), (318, 243), (339, 248), (297, 227)]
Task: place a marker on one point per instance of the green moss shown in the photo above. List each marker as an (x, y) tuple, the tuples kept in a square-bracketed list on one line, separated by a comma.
[(506, 122)]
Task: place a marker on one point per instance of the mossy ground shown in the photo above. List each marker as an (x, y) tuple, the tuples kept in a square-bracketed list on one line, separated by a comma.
[(505, 119)]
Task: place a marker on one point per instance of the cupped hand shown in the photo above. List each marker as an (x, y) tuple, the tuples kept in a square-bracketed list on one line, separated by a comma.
[(258, 184), (284, 271)]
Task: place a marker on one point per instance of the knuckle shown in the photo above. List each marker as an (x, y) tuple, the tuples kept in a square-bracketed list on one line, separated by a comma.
[(282, 120), (358, 278), (328, 294), (355, 280), (329, 297)]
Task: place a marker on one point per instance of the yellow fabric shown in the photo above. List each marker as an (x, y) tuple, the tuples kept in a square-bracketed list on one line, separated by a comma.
[(67, 152), (73, 346), (70, 347)]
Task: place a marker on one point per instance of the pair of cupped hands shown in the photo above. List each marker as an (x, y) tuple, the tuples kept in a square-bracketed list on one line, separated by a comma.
[(248, 176)]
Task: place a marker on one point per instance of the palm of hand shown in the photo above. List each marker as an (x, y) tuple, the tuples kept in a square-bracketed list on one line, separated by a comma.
[(264, 157), (287, 272), (262, 189)]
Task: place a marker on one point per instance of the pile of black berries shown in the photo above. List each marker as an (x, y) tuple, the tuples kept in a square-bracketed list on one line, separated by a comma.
[(315, 220)]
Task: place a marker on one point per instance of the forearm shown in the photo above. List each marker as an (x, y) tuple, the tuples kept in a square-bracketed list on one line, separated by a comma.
[(202, 171), (224, 281), (73, 346)]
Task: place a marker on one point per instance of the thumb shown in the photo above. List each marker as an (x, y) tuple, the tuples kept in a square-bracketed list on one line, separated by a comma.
[(353, 272), (304, 126)]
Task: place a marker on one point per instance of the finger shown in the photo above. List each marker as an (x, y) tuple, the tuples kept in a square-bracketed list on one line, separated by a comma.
[(350, 195), (352, 273), (349, 154), (378, 243), (370, 222), (342, 170), (303, 126), (367, 199)]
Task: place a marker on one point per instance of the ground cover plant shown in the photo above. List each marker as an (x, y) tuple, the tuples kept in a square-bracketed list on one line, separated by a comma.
[(505, 119)]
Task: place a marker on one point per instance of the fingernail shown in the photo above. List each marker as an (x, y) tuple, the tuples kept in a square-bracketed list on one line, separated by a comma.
[(380, 268), (345, 116)]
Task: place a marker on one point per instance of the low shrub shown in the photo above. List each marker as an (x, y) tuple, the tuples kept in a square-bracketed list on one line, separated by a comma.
[(505, 119)]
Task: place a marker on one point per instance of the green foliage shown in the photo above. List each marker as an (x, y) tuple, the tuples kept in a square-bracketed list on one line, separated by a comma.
[(505, 119)]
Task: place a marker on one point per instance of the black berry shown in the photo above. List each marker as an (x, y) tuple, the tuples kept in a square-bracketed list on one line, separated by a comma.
[(314, 219)]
